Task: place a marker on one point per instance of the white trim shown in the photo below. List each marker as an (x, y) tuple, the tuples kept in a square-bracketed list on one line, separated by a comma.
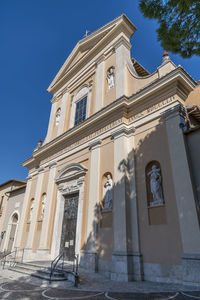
[(8, 231), (83, 91), (70, 180)]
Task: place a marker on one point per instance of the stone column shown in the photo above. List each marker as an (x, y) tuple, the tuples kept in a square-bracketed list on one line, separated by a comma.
[(184, 197), (122, 260), (35, 212), (89, 255), (122, 57), (23, 217), (43, 247), (63, 107), (100, 84)]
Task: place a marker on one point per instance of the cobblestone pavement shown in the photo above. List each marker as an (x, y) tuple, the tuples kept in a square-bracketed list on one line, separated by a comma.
[(15, 286)]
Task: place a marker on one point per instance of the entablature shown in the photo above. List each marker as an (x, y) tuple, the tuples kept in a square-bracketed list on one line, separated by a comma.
[(159, 93)]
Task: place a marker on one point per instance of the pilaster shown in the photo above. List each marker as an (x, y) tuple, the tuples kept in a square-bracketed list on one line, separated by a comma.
[(184, 197), (43, 247), (58, 220), (122, 57), (51, 122), (100, 84), (61, 125), (35, 210), (23, 218), (90, 258), (125, 256)]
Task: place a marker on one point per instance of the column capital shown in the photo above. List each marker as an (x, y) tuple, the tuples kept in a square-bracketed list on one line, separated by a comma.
[(40, 169), (122, 131), (52, 164), (100, 59), (122, 41), (174, 112), (28, 178), (94, 145)]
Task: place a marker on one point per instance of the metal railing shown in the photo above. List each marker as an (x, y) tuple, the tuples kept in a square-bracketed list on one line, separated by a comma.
[(65, 266), (11, 258), (55, 262)]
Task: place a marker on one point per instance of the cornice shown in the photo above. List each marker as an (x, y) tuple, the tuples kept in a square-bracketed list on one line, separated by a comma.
[(122, 131), (124, 21), (94, 144), (175, 77)]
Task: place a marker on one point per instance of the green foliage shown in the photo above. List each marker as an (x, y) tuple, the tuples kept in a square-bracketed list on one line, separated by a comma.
[(179, 21)]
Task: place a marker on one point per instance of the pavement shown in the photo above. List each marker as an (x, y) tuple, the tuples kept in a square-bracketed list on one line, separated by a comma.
[(93, 286)]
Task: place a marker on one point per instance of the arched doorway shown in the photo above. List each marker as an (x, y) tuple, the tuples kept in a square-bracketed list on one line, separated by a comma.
[(13, 227), (69, 208)]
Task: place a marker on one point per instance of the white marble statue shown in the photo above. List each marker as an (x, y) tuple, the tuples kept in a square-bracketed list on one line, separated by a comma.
[(107, 194), (110, 78), (43, 206), (31, 211), (155, 186), (58, 116)]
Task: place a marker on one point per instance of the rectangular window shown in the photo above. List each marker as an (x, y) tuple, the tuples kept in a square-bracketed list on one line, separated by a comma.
[(80, 111)]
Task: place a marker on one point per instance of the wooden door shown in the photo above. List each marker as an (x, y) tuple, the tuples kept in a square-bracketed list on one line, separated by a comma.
[(68, 236)]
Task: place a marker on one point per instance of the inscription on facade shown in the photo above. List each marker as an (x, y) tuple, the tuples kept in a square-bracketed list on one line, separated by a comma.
[(151, 109), (85, 139)]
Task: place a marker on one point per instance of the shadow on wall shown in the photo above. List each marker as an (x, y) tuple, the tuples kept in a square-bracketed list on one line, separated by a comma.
[(159, 239)]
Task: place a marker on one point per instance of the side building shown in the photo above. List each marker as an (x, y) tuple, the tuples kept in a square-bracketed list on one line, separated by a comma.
[(112, 181), (11, 201)]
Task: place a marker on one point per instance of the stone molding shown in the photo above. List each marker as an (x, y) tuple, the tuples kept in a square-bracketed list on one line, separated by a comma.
[(122, 131), (94, 145), (74, 171), (40, 170), (52, 164)]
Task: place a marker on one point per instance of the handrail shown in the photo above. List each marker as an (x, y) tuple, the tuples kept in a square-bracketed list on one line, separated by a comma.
[(3, 259), (56, 260)]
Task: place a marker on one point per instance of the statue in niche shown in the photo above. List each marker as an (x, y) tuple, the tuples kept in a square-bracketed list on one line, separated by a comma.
[(58, 116), (43, 206), (107, 193), (31, 211), (156, 186), (110, 78)]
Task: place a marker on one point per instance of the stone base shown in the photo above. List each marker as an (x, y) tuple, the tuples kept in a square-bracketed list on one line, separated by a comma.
[(88, 260), (122, 266), (138, 274), (40, 254), (162, 273), (191, 268)]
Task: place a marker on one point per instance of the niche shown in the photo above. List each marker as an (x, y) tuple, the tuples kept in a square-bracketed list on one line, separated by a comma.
[(155, 195)]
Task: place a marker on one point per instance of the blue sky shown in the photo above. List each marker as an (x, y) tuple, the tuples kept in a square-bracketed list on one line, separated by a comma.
[(36, 37)]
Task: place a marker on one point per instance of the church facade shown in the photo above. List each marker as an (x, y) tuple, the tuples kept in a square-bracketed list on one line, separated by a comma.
[(116, 180)]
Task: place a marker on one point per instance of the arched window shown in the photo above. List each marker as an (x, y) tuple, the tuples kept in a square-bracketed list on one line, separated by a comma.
[(80, 110), (80, 106), (58, 116)]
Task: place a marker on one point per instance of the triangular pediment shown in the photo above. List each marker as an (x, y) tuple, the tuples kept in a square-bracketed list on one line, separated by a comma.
[(86, 45)]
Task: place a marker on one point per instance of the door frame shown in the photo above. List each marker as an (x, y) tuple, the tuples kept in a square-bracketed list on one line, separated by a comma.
[(70, 180), (9, 226)]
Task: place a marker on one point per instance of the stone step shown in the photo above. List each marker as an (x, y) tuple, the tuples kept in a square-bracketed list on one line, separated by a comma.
[(38, 271)]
